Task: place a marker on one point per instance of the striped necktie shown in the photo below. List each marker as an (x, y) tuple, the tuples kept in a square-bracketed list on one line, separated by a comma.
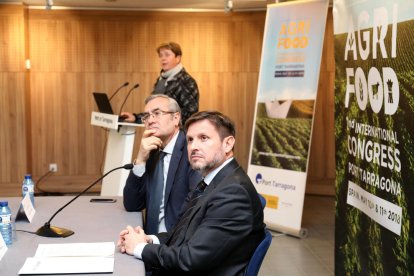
[(198, 191)]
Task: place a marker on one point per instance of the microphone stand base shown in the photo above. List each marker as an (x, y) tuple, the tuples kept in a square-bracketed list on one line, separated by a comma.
[(53, 232)]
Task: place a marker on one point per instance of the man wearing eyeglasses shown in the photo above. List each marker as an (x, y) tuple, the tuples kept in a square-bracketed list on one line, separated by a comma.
[(162, 176), (223, 222)]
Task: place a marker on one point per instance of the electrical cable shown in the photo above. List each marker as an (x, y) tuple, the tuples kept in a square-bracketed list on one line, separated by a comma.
[(41, 190), (38, 187), (25, 231)]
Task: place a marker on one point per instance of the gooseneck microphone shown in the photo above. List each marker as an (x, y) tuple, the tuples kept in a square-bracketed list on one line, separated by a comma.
[(129, 93), (57, 232), (119, 88)]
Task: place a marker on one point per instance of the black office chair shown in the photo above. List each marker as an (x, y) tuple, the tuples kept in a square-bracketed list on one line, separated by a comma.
[(261, 250)]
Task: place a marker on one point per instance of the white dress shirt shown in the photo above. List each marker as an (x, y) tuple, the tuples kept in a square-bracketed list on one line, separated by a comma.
[(139, 170)]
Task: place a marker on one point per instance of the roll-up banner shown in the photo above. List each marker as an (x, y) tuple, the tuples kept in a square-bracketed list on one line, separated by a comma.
[(288, 84), (374, 132)]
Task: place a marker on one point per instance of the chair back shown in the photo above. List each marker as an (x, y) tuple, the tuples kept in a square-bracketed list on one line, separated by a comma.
[(256, 261), (262, 200)]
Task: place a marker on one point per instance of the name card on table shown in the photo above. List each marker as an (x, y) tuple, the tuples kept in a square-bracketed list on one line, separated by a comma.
[(26, 209)]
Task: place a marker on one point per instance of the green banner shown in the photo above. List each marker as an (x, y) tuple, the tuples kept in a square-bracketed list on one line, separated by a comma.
[(374, 132)]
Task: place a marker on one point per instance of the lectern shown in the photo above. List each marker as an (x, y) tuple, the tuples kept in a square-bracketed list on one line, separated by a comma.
[(119, 149)]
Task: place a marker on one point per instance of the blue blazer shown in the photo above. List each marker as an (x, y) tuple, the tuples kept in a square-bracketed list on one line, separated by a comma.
[(181, 179)]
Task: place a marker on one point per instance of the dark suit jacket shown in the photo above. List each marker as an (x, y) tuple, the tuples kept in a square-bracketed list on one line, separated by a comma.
[(225, 227), (181, 179)]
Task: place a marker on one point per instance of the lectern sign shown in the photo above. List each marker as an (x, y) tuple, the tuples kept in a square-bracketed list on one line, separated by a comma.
[(104, 120)]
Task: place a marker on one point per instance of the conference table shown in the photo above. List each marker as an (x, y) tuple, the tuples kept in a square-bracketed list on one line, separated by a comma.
[(91, 222)]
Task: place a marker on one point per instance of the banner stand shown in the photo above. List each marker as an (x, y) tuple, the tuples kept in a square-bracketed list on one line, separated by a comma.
[(302, 233), (285, 107)]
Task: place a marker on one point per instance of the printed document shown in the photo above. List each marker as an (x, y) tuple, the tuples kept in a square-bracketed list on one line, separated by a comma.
[(71, 258)]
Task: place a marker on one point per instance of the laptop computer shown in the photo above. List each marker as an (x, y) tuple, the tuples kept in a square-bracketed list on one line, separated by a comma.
[(104, 106), (102, 101)]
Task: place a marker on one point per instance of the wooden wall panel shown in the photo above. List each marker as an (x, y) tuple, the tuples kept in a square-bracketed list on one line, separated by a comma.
[(321, 170), (12, 134), (13, 147), (74, 53), (100, 52), (12, 44), (231, 93)]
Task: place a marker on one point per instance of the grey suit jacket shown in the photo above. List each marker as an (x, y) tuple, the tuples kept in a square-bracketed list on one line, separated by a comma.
[(224, 228), (181, 179)]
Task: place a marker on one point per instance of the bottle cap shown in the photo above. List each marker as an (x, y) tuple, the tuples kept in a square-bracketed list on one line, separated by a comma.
[(4, 203), (28, 176)]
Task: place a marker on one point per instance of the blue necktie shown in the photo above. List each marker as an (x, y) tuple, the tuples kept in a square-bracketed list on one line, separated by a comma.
[(156, 191)]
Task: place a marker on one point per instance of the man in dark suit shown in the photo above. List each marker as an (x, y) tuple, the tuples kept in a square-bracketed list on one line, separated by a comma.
[(162, 176), (223, 222)]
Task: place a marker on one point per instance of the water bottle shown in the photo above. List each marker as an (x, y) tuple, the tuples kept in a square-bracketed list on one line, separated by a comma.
[(28, 187), (6, 222)]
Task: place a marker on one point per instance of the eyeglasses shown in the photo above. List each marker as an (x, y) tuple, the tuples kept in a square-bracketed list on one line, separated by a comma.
[(154, 114)]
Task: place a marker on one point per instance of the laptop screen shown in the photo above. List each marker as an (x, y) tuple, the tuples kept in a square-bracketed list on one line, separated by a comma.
[(102, 101)]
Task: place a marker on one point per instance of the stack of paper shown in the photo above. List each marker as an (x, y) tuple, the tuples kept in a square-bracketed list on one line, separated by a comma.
[(71, 258)]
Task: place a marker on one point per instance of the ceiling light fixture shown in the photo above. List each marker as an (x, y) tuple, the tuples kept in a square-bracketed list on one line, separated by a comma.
[(228, 6), (49, 4)]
